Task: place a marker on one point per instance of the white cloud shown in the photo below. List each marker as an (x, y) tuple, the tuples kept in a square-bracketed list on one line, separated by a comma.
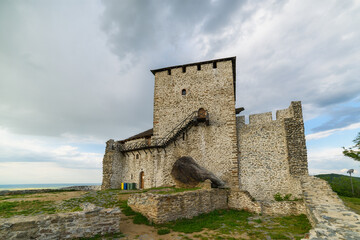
[(330, 160), (14, 147), (45, 172), (327, 133)]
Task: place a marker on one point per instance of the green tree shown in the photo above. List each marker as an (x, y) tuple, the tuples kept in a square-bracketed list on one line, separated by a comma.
[(354, 151)]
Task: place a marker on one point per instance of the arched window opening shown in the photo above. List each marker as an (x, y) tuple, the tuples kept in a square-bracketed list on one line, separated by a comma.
[(183, 92)]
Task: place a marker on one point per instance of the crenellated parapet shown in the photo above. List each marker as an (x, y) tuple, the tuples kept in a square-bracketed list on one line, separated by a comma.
[(272, 152)]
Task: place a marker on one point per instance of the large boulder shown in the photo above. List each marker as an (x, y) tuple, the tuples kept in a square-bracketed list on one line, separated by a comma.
[(187, 173)]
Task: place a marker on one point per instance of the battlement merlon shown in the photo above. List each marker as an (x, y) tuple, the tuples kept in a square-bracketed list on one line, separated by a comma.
[(293, 111)]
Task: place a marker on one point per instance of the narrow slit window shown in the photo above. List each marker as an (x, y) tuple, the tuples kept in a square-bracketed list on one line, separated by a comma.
[(183, 69), (214, 65), (169, 71), (183, 92), (198, 67), (137, 156)]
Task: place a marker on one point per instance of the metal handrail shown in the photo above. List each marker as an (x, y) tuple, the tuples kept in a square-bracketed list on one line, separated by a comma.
[(167, 139)]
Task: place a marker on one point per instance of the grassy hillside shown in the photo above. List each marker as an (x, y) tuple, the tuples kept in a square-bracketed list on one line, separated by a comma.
[(341, 184)]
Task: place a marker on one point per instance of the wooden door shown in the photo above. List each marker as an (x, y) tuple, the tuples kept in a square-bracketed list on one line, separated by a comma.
[(141, 180)]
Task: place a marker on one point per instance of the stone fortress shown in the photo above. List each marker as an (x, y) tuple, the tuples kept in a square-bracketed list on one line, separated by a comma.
[(263, 157), (195, 115)]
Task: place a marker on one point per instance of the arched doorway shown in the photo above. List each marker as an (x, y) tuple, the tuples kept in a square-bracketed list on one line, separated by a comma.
[(141, 184)]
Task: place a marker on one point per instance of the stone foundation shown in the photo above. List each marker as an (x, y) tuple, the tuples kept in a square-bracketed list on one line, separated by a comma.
[(91, 221), (160, 208)]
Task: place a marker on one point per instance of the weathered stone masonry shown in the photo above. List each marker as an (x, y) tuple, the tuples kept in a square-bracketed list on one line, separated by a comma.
[(263, 157), (272, 153), (92, 221)]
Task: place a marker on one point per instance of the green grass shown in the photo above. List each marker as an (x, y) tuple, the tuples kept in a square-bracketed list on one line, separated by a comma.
[(341, 184), (212, 221), (9, 209), (107, 199), (353, 203), (163, 231)]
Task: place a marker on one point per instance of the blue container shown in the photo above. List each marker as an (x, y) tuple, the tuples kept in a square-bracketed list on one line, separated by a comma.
[(125, 186)]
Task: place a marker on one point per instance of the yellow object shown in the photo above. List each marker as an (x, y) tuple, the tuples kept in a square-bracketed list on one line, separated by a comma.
[(122, 186)]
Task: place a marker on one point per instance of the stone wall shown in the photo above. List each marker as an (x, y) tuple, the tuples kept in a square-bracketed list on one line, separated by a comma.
[(272, 153), (242, 200), (87, 223), (113, 164), (160, 208), (296, 143)]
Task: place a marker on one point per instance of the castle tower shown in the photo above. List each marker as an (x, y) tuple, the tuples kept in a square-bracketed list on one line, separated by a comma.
[(210, 85)]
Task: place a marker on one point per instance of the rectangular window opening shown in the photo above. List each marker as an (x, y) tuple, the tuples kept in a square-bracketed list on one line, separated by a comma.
[(169, 71), (198, 67), (183, 69)]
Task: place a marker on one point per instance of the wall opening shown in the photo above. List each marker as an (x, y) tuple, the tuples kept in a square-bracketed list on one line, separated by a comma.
[(183, 69), (137, 156), (198, 67), (183, 92), (141, 182), (169, 71), (214, 65)]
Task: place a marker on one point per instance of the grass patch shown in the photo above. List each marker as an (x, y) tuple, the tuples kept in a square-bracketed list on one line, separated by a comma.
[(9, 209), (107, 199), (213, 220), (163, 231), (341, 184), (353, 203)]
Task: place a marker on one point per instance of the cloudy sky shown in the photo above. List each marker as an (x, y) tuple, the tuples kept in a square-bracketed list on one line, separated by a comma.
[(74, 74)]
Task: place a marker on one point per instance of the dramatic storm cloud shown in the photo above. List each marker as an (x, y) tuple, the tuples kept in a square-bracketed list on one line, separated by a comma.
[(75, 73)]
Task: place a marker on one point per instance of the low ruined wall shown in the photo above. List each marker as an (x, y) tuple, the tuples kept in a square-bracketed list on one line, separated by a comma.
[(242, 200), (160, 208), (91, 221)]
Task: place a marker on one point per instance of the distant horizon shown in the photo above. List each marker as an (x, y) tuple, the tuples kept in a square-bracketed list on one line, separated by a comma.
[(33, 186)]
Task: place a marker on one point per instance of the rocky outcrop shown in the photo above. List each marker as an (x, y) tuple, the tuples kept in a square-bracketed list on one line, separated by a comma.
[(188, 173)]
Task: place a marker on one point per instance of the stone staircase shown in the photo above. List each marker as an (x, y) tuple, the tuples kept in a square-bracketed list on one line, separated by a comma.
[(327, 213)]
